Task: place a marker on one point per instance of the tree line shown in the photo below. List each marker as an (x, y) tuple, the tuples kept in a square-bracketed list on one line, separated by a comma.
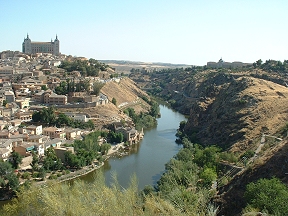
[(86, 68), (49, 117)]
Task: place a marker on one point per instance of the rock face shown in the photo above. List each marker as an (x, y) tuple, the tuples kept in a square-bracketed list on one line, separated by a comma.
[(231, 111)]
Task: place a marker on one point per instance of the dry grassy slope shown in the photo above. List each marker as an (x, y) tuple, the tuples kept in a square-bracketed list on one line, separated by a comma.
[(270, 112), (233, 112), (125, 92)]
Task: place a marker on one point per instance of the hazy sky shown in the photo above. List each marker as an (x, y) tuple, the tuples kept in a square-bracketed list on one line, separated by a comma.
[(178, 31)]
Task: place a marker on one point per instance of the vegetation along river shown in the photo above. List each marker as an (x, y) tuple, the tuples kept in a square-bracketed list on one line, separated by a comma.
[(148, 158)]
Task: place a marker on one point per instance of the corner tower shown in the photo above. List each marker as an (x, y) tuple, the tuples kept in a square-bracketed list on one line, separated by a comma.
[(26, 45), (56, 46)]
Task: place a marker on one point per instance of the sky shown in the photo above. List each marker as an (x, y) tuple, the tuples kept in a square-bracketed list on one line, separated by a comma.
[(189, 32)]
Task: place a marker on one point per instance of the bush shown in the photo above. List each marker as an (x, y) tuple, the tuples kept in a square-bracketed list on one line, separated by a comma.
[(26, 175), (35, 175), (268, 195), (52, 176), (227, 156)]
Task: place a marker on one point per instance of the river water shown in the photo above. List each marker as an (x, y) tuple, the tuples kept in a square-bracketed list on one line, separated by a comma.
[(147, 159)]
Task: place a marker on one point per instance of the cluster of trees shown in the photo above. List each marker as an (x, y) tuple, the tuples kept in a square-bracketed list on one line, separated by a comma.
[(145, 120), (272, 65), (267, 195), (87, 150), (49, 117), (86, 68), (115, 137), (82, 86), (8, 178), (142, 120), (192, 167)]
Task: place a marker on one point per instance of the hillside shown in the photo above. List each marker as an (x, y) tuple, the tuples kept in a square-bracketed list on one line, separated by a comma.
[(126, 93), (234, 112), (227, 108)]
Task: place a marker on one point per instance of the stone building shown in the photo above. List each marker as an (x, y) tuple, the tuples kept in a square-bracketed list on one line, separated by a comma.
[(32, 47)]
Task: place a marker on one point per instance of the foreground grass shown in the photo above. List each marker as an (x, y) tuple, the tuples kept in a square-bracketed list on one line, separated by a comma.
[(81, 198)]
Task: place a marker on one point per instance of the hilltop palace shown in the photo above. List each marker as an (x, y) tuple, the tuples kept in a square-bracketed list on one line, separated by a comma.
[(32, 47)]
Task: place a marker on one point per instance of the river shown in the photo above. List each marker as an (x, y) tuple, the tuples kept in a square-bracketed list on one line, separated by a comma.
[(148, 158)]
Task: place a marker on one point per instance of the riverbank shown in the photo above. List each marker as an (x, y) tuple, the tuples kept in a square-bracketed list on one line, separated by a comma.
[(88, 169)]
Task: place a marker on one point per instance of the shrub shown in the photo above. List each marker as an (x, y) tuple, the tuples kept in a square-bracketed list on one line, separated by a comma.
[(26, 175), (268, 195), (52, 176)]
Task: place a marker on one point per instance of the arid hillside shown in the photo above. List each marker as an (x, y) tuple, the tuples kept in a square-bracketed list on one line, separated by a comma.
[(126, 93), (233, 112)]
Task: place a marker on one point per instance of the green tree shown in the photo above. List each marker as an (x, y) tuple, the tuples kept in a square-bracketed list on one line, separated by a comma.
[(207, 176), (51, 161), (96, 88), (259, 62), (114, 101), (35, 161), (8, 177), (5, 103), (16, 160), (268, 195), (44, 87), (154, 109)]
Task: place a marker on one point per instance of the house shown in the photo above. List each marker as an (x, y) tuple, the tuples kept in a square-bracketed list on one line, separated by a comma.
[(23, 103), (4, 154), (72, 133), (60, 152), (34, 138), (40, 149), (7, 144), (54, 132), (130, 134), (10, 97), (25, 116), (33, 129), (4, 134), (77, 116), (16, 122), (22, 92), (55, 143), (25, 148)]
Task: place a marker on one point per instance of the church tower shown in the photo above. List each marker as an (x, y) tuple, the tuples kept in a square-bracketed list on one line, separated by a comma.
[(26, 45)]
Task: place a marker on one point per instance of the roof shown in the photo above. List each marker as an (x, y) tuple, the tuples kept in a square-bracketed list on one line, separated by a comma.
[(53, 142), (3, 151), (51, 129), (4, 143)]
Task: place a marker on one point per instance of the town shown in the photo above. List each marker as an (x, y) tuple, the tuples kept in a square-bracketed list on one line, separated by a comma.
[(42, 95)]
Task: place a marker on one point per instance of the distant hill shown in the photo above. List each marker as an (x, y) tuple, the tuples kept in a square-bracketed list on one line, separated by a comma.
[(125, 66)]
